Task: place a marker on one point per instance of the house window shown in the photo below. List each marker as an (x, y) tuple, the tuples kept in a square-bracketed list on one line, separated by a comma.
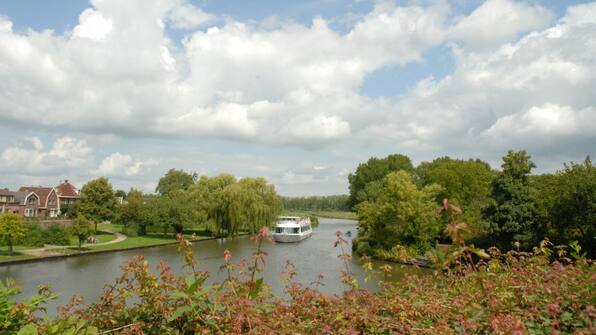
[(29, 212), (31, 200)]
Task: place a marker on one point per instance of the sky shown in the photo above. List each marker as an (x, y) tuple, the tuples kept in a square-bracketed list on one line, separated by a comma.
[(299, 92)]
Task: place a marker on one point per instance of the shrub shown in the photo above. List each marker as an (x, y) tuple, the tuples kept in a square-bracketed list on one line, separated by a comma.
[(34, 236), (540, 292), (57, 235), (131, 230)]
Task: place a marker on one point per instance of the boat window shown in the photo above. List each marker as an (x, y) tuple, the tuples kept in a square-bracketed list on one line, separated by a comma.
[(295, 230), (279, 230)]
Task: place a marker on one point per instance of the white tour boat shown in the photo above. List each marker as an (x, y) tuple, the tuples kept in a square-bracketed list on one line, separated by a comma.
[(292, 229)]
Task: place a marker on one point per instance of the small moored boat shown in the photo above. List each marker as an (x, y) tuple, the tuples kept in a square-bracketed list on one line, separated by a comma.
[(292, 229)]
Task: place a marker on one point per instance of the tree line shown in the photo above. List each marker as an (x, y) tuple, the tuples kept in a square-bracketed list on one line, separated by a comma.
[(317, 203), (509, 208), (221, 206)]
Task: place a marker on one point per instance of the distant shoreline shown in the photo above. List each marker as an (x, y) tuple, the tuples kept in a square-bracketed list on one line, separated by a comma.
[(90, 252)]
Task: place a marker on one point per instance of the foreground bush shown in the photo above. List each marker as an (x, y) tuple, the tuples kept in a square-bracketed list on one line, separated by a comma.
[(544, 292), (57, 235)]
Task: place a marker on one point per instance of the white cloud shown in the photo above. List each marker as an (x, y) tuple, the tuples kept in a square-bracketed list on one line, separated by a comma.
[(186, 16), (541, 123), (539, 85), (499, 21), (520, 79), (93, 25), (118, 164), (119, 73), (29, 157)]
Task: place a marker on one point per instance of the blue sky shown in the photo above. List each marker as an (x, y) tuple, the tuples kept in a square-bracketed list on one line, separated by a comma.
[(298, 92)]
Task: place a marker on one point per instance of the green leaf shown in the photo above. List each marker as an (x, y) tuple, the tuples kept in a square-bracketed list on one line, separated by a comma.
[(28, 330), (256, 289), (192, 284), (180, 294), (179, 312)]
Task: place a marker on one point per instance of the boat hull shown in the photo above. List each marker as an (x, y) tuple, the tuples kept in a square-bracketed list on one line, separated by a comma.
[(290, 238)]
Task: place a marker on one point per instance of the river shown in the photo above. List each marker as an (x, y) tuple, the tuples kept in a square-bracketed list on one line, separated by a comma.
[(87, 275)]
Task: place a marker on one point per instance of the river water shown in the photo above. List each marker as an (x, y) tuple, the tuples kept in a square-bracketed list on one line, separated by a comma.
[(87, 275)]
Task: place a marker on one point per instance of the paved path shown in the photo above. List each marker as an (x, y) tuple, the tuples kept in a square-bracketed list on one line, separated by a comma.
[(47, 251)]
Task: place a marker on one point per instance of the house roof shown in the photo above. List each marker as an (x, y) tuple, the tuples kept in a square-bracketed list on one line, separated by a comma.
[(5, 191), (66, 189), (42, 193), (19, 197)]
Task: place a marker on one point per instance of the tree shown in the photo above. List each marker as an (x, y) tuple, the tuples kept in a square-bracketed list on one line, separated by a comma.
[(261, 204), (374, 170), (12, 229), (402, 215), (81, 228), (171, 211), (229, 205), (177, 206), (174, 180), (131, 213), (573, 211), (98, 202), (466, 183), (512, 213), (120, 194)]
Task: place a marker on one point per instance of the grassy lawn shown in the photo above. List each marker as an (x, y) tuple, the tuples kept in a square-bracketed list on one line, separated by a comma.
[(130, 242), (101, 237), (114, 228), (140, 241), (324, 214)]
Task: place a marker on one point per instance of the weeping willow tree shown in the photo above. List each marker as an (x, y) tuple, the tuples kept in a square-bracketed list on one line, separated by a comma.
[(230, 206), (261, 203)]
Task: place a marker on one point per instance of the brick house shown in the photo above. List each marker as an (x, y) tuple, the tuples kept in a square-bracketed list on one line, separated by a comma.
[(43, 202)]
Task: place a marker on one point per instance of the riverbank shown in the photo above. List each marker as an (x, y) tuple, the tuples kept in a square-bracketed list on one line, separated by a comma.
[(131, 243), (111, 240)]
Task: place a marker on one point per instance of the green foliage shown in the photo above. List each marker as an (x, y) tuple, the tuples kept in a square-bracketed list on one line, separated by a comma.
[(374, 171), (317, 203), (81, 228), (466, 183), (402, 215), (12, 229), (17, 318), (511, 293), (174, 180), (98, 202), (568, 201), (57, 235), (169, 212), (513, 213), (69, 211), (121, 193), (34, 235), (229, 205), (131, 213)]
